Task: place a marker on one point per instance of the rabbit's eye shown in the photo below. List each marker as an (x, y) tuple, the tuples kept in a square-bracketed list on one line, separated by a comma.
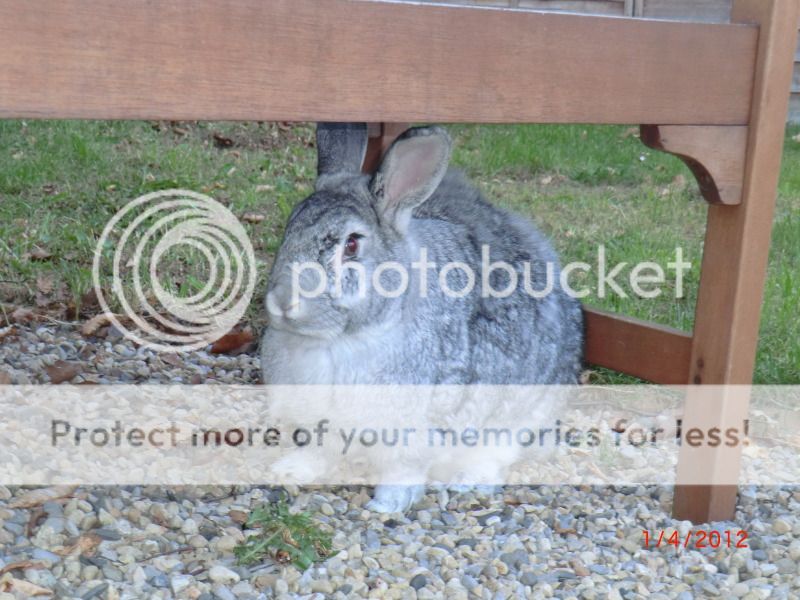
[(351, 245)]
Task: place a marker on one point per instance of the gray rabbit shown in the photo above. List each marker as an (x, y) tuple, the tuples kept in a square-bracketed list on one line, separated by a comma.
[(339, 315)]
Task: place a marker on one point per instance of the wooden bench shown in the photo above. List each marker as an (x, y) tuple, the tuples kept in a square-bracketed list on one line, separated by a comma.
[(713, 94)]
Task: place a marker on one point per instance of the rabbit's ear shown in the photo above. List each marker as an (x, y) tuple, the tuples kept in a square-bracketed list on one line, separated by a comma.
[(340, 149), (411, 171)]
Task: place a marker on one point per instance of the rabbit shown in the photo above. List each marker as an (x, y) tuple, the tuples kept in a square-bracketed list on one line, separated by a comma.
[(413, 206)]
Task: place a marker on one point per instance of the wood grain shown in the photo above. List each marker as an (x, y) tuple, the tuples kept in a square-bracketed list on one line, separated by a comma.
[(715, 156), (381, 136), (595, 7), (645, 350), (695, 10), (365, 61), (736, 251)]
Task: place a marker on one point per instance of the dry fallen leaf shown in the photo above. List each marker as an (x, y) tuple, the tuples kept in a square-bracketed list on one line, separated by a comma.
[(7, 331), (234, 342), (630, 132), (23, 315), (564, 530), (91, 326), (61, 371), (41, 495), (5, 378), (43, 300), (579, 568), (252, 217), (40, 254), (90, 299), (21, 565), (172, 360), (238, 516), (89, 304), (596, 470), (44, 283), (37, 515), (12, 584), (679, 181), (221, 141), (85, 545)]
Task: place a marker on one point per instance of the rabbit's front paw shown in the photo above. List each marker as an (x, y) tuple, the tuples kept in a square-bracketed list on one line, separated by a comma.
[(395, 498)]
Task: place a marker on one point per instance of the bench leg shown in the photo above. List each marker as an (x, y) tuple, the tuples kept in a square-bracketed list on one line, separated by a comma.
[(381, 136), (735, 258)]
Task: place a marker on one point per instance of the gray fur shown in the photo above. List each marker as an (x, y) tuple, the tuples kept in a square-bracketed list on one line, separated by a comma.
[(513, 340), (412, 339), (400, 185), (340, 149)]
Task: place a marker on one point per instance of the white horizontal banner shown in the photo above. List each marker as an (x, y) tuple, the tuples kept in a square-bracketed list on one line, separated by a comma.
[(453, 435)]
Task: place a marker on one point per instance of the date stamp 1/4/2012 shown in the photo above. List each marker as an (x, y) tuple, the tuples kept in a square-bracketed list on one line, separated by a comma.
[(728, 538)]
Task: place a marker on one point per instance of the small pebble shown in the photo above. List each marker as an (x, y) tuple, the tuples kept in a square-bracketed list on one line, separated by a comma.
[(418, 582), (568, 542), (223, 575)]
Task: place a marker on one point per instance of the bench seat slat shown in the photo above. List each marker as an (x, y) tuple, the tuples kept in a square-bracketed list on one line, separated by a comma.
[(365, 60)]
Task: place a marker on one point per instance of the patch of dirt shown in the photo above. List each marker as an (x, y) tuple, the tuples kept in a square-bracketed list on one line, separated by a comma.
[(13, 292), (245, 135)]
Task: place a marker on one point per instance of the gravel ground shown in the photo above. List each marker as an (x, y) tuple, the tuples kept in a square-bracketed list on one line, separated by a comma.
[(521, 542)]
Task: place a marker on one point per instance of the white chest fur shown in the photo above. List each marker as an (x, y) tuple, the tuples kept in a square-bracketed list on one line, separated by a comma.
[(366, 358)]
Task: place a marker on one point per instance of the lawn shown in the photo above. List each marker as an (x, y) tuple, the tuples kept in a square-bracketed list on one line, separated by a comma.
[(60, 182)]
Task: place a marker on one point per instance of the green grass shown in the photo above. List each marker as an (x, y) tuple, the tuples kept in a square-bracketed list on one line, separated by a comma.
[(587, 185), (584, 154), (60, 182), (284, 537)]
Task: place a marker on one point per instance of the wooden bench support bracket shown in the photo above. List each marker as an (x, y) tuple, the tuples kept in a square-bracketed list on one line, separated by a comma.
[(714, 154), (735, 263)]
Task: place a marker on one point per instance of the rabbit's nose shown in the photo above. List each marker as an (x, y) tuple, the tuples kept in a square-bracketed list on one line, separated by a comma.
[(282, 305)]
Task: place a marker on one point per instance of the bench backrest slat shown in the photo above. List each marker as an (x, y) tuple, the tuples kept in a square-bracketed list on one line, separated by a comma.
[(365, 60)]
